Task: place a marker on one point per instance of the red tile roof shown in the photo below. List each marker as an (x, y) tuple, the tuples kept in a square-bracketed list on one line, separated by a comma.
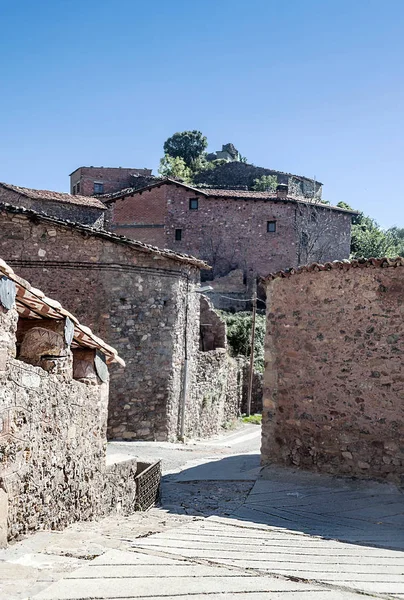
[(343, 265), (218, 193), (50, 196)]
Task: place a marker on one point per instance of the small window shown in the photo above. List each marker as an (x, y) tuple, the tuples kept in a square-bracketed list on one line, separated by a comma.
[(271, 226), (78, 187), (74, 190), (98, 188), (193, 204), (178, 235)]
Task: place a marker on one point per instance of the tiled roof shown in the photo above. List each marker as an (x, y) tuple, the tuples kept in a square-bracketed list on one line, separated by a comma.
[(219, 193), (50, 196), (102, 233), (33, 304), (342, 265)]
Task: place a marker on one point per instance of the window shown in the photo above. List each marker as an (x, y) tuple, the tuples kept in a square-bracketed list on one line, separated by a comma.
[(98, 188), (74, 190), (78, 187), (178, 235), (193, 204), (271, 226)]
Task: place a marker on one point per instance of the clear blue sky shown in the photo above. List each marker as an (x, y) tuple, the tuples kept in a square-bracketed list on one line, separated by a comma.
[(314, 87)]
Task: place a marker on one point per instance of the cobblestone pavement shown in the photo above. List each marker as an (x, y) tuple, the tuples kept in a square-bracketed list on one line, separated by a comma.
[(292, 536)]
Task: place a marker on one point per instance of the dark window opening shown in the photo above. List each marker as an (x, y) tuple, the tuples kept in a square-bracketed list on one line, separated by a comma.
[(178, 235), (78, 187), (74, 190), (271, 226), (98, 188), (193, 204)]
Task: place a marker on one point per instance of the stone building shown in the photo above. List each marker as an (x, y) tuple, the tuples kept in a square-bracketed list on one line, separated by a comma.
[(239, 175), (90, 181), (241, 234), (334, 375), (80, 209), (143, 301), (53, 416)]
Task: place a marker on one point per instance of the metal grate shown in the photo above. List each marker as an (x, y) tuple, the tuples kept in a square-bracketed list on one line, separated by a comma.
[(147, 485)]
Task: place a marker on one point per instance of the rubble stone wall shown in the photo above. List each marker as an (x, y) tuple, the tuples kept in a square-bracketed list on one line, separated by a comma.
[(77, 213), (135, 301), (216, 394), (52, 446), (334, 376)]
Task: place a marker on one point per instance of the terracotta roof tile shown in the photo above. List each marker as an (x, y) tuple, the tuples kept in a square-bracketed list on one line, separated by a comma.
[(50, 196), (219, 193), (33, 304), (112, 237), (343, 265)]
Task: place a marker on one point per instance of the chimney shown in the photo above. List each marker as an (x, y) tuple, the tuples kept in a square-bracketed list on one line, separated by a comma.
[(282, 190)]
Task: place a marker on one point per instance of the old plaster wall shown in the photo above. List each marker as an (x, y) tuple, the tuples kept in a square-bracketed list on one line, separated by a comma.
[(133, 300), (52, 445), (334, 379)]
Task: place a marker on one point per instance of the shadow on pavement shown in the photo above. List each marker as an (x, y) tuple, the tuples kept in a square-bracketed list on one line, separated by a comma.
[(355, 511)]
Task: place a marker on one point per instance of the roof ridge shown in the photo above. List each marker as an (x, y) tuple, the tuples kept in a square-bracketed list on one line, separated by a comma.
[(344, 265), (54, 196), (30, 299), (103, 233)]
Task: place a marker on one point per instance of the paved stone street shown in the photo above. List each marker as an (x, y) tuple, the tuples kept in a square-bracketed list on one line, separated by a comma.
[(294, 535)]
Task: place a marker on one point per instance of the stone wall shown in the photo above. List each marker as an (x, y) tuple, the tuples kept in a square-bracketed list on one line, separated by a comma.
[(77, 213), (52, 445), (136, 301), (256, 393), (334, 378), (231, 235), (238, 175), (215, 399)]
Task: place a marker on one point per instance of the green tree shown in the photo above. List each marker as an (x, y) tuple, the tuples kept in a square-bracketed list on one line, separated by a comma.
[(188, 145), (266, 183), (174, 167), (369, 240), (239, 335)]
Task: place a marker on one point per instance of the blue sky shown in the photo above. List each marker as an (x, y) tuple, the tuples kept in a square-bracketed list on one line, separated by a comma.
[(313, 87)]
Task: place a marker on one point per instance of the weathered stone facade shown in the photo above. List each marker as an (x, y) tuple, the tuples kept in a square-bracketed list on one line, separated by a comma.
[(142, 300), (103, 180), (52, 428), (238, 175), (334, 379), (77, 209), (231, 230)]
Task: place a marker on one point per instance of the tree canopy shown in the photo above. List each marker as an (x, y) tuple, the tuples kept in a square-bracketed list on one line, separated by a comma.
[(175, 167), (188, 145), (369, 240), (266, 183)]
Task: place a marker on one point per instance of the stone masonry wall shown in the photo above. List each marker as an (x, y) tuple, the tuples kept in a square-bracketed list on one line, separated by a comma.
[(87, 215), (134, 301), (238, 175), (231, 235), (52, 445), (217, 391), (334, 377)]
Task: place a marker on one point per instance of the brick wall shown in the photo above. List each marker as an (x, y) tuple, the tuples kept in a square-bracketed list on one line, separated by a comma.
[(334, 378), (114, 179), (141, 216), (52, 445)]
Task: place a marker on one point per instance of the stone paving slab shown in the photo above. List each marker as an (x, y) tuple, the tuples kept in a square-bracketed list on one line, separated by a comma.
[(121, 575)]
